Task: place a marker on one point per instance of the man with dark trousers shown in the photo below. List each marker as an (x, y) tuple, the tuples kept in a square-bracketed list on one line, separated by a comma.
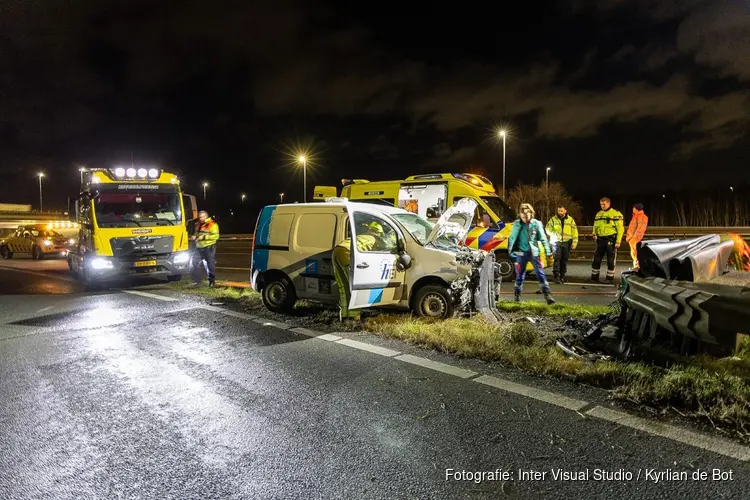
[(608, 231), (563, 237), (205, 242)]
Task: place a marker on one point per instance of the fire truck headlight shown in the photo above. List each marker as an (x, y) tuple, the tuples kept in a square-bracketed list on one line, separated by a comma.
[(153, 173), (181, 258), (142, 172), (131, 172), (99, 263), (120, 172), (47, 243)]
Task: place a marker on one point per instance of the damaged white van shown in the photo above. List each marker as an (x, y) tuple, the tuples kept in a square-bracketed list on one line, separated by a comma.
[(423, 268)]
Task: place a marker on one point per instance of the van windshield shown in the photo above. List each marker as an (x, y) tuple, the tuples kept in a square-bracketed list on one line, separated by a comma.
[(420, 228)]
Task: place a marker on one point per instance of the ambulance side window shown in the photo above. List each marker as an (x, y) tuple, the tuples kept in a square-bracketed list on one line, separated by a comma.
[(374, 235)]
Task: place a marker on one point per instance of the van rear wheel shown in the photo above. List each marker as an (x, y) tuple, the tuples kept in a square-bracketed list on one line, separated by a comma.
[(278, 295), (433, 301)]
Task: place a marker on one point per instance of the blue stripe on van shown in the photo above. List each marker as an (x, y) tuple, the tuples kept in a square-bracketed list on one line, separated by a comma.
[(260, 260), (263, 231), (376, 295), (262, 238)]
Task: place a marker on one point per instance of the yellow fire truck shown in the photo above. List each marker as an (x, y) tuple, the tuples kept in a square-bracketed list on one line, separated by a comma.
[(132, 224), (429, 195)]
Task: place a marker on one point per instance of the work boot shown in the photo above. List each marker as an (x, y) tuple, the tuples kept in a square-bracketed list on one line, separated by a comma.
[(548, 297), (556, 278), (517, 295), (211, 284), (562, 280), (594, 278)]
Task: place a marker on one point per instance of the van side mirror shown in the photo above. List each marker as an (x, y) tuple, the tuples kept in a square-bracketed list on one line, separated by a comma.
[(403, 262)]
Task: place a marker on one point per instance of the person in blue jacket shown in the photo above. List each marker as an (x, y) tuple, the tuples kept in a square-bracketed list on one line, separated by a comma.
[(523, 247)]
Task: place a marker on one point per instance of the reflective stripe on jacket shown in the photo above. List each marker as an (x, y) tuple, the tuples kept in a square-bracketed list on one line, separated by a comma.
[(208, 234), (563, 230), (609, 223), (637, 227)]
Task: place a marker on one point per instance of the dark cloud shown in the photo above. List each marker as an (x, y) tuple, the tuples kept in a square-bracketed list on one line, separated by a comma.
[(190, 83)]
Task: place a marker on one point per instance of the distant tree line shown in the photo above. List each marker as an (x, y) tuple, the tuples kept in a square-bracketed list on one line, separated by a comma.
[(727, 207)]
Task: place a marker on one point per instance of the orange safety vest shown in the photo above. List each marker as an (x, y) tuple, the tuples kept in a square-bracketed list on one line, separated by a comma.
[(637, 227)]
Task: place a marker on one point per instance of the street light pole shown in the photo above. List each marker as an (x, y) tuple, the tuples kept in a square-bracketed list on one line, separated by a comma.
[(82, 170), (281, 195), (548, 169), (41, 200), (243, 198), (205, 185), (503, 135), (303, 161)]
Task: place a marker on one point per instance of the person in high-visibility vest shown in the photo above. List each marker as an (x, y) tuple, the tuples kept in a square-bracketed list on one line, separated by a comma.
[(205, 239), (563, 237), (636, 231), (608, 231)]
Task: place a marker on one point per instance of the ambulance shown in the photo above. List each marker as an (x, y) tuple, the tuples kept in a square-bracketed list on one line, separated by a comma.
[(430, 195)]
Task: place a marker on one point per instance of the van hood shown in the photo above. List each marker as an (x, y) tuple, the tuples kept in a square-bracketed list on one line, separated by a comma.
[(455, 223)]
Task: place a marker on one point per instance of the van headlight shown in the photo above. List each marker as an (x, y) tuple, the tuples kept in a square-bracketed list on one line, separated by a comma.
[(99, 263), (181, 258), (71, 241), (47, 243)]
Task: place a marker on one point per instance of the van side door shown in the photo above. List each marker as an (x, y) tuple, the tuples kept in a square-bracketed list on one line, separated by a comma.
[(374, 279)]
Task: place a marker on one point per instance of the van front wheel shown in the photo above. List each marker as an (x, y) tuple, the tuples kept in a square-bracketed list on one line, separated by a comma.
[(433, 301), (278, 295)]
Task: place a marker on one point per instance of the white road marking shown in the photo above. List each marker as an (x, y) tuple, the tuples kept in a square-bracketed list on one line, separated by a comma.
[(237, 314), (362, 346), (151, 295), (305, 331), (234, 268), (533, 393), (45, 309), (681, 435), (37, 273), (270, 322), (437, 366), (328, 337)]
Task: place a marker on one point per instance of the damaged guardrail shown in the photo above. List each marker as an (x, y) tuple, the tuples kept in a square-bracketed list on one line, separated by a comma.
[(662, 300)]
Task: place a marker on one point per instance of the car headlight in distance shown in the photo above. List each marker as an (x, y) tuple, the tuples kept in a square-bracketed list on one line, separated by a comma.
[(71, 241), (47, 243), (181, 258), (99, 263)]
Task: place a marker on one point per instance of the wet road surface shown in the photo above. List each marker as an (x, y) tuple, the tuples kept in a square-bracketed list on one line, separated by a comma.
[(155, 395)]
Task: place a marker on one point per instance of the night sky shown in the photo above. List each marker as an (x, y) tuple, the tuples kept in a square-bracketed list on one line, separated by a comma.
[(618, 95)]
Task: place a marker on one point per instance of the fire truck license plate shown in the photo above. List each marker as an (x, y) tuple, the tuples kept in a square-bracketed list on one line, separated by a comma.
[(145, 263)]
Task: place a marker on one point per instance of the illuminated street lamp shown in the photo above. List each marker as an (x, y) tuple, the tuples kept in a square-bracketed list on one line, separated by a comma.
[(205, 185), (303, 160), (41, 201), (731, 189), (242, 197), (549, 167), (502, 134), (281, 196)]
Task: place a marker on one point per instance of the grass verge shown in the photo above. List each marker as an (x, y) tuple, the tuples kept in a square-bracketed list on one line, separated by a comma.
[(715, 390)]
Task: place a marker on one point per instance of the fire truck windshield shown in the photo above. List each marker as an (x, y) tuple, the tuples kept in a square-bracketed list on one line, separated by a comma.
[(137, 209)]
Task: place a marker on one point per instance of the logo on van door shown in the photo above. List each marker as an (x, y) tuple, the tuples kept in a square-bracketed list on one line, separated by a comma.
[(386, 273)]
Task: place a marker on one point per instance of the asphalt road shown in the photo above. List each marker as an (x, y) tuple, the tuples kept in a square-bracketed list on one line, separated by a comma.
[(156, 395)]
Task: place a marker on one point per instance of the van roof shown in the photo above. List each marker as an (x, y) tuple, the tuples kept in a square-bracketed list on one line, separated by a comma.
[(365, 206)]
